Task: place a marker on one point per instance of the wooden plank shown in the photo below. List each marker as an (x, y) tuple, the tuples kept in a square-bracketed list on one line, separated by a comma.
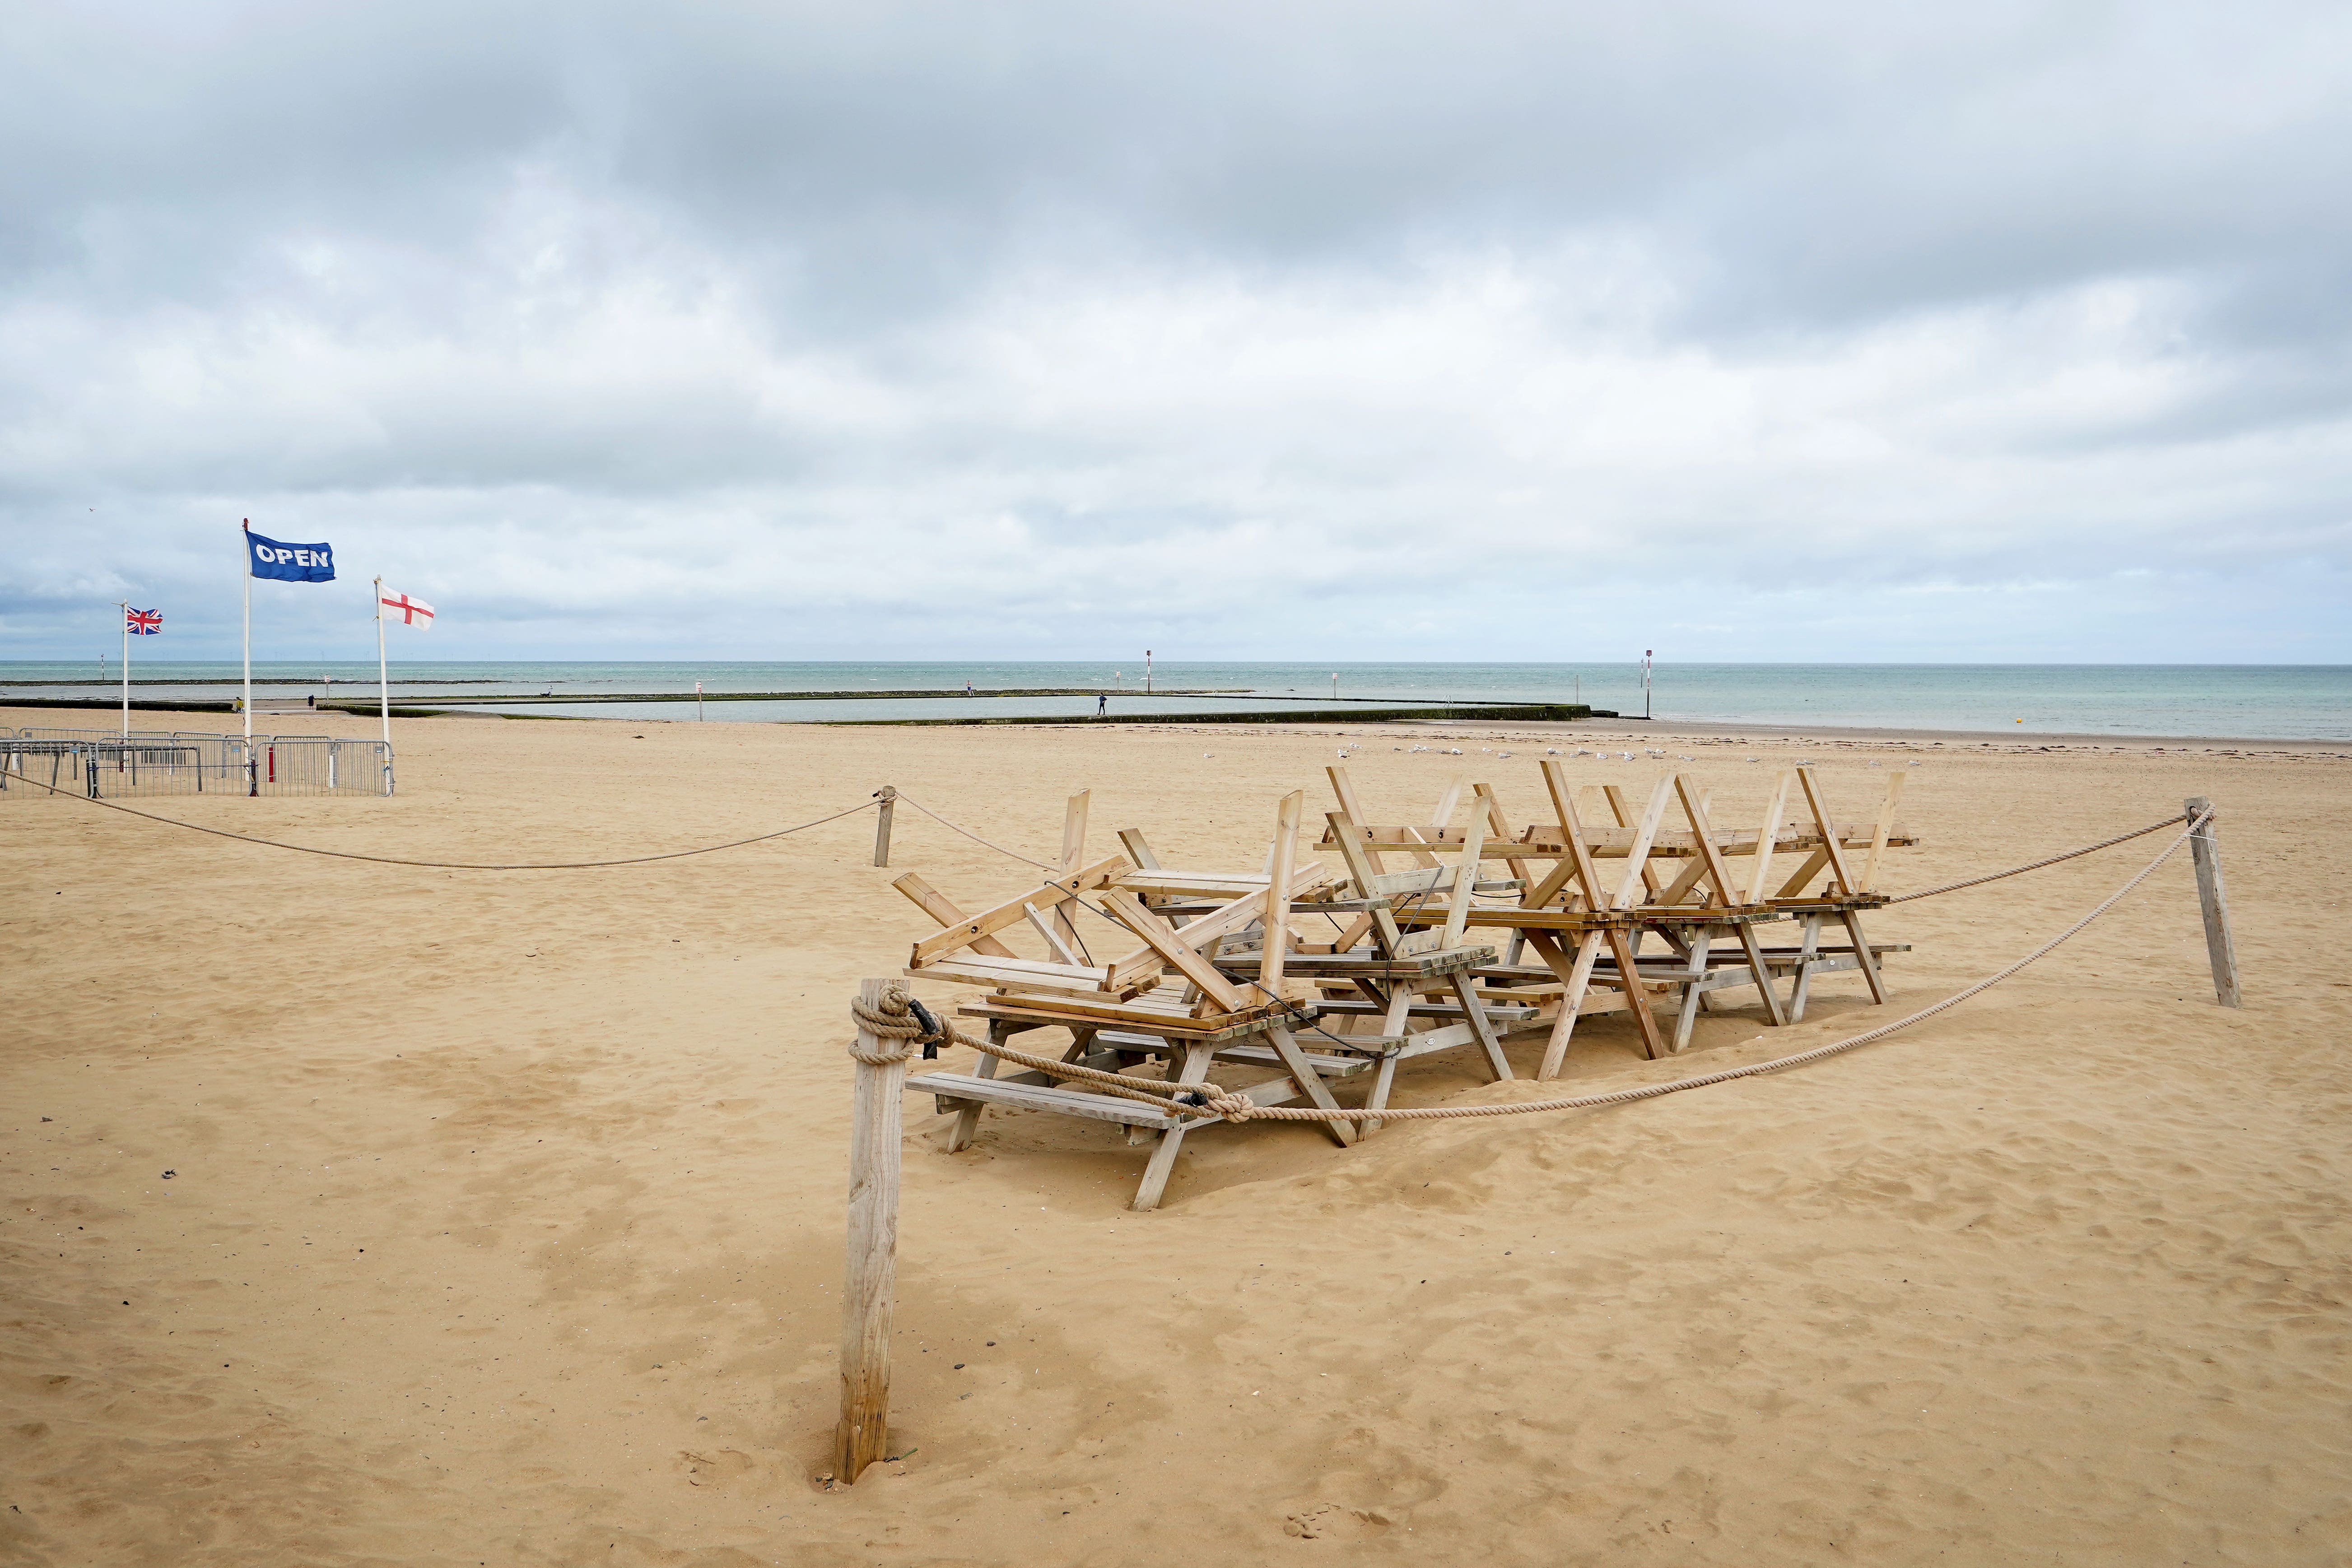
[(967, 1122), (1034, 1097), (1695, 963), (2213, 904), (1577, 858), (1177, 1023), (1866, 959), (1056, 942), (1017, 972), (1638, 875), (1498, 831), (1416, 1006), (1304, 879), (929, 899), (1157, 1170), (1266, 1056), (1677, 890), (1414, 966), (1465, 876), (1767, 835), (1350, 808), (1067, 886), (1579, 977), (1637, 998), (1474, 1013), (1772, 1008), (1826, 828), (1276, 946), (1694, 807), (1309, 1082), (1137, 849), (1881, 829), (1805, 874), (1801, 989), (1203, 930), (1164, 940), (1074, 851)]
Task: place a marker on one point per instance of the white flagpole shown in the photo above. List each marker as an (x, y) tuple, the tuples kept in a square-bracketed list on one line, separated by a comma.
[(249, 631), (126, 669), (382, 688)]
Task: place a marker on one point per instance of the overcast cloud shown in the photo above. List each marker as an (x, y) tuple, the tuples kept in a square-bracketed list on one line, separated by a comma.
[(1994, 332)]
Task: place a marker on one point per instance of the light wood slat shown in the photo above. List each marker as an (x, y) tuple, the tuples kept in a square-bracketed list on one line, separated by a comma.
[(1068, 886), (1137, 849), (1277, 894), (1164, 940), (1826, 828), (1882, 831), (1767, 837), (929, 899), (1638, 874), (1344, 789), (1032, 1097)]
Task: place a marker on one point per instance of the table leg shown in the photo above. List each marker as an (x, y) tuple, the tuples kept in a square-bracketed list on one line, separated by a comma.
[(1803, 989), (1863, 956), (1755, 950), (1475, 1011), (1156, 1170), (967, 1122)]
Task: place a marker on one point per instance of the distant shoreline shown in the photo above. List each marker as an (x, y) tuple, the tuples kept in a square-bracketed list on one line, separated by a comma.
[(1634, 732)]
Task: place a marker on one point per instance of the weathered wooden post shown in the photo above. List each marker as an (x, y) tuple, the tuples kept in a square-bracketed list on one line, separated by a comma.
[(870, 1273), (888, 795), (2206, 852)]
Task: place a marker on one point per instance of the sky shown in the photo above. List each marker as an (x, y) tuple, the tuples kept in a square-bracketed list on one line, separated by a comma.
[(1998, 332)]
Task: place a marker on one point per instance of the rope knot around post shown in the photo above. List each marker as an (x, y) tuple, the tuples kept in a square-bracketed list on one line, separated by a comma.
[(897, 1016)]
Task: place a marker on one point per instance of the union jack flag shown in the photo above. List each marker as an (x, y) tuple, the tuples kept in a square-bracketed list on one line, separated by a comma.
[(142, 623)]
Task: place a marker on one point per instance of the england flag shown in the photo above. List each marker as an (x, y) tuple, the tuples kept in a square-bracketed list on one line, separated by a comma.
[(409, 611)]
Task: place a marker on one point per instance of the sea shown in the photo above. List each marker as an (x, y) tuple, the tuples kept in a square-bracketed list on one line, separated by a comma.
[(2305, 702)]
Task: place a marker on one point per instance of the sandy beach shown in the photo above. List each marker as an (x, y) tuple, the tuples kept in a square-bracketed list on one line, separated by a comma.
[(356, 1214)]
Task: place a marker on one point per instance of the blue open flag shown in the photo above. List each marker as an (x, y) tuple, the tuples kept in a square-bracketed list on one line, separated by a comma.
[(290, 562)]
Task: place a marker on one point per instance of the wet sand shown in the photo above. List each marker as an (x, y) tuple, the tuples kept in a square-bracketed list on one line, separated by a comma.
[(505, 1217)]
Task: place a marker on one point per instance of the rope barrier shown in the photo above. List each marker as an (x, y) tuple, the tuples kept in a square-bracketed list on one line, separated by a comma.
[(449, 865), (2036, 865), (976, 838), (1233, 1107)]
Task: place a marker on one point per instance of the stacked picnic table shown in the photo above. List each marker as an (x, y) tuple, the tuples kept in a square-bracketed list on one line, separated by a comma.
[(1425, 952)]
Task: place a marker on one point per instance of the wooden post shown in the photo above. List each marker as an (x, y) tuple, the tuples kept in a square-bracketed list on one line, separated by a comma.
[(869, 1276), (2207, 854), (888, 795)]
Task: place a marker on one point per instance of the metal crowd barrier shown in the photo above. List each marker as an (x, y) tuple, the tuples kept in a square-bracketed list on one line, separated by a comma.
[(104, 764)]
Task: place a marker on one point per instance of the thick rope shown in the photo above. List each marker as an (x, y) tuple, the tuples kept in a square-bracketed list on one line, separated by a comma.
[(1246, 1111), (976, 838), (444, 865), (2036, 865)]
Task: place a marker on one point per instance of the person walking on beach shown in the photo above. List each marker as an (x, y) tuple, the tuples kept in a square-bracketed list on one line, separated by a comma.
[(1102, 704)]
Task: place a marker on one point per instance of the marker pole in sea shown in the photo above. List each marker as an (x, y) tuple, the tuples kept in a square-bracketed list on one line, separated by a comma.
[(1646, 681), (1147, 671)]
